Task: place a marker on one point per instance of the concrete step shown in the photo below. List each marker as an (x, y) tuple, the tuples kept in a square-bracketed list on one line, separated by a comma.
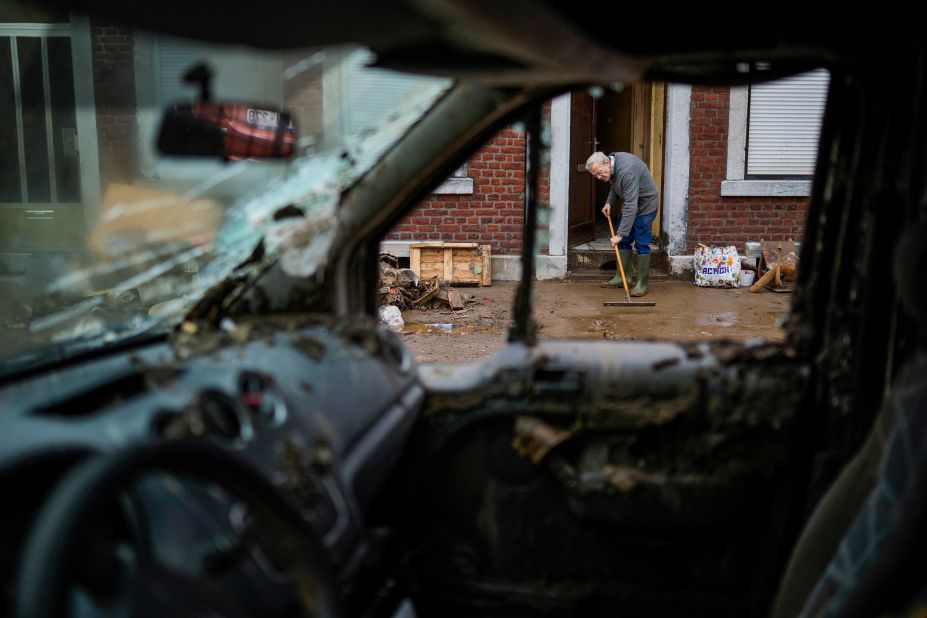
[(595, 260), (589, 259)]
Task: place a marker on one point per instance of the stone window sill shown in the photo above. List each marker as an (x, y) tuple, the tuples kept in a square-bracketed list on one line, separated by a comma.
[(765, 188), (455, 186)]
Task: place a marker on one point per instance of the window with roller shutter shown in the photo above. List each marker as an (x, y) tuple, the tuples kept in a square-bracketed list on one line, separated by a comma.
[(773, 134), (784, 125)]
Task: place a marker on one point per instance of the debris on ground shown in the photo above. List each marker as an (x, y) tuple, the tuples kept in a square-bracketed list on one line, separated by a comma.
[(615, 337), (389, 260), (452, 298), (781, 260), (403, 288), (391, 316)]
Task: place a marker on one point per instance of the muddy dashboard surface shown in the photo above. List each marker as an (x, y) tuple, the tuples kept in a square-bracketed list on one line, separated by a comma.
[(319, 409), (577, 477)]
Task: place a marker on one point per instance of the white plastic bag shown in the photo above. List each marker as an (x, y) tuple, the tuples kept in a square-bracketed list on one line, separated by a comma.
[(717, 267), (391, 316)]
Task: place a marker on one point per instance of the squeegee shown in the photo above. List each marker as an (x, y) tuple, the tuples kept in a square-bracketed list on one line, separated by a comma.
[(624, 280)]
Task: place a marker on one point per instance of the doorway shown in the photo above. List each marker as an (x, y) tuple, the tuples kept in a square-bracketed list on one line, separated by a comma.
[(629, 120), (39, 156)]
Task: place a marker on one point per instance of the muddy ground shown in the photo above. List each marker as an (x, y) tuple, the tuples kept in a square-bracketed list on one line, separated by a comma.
[(574, 310)]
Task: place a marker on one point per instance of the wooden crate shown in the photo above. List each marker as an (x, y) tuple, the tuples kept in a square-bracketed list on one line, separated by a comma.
[(463, 263)]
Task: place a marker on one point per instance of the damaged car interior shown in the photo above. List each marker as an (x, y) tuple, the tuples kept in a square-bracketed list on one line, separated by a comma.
[(222, 428)]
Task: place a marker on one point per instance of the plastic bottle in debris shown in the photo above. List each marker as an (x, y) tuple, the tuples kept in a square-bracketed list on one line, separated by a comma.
[(391, 316)]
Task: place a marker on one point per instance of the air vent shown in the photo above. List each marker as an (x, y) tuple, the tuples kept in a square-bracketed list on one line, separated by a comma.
[(261, 400), (221, 416)]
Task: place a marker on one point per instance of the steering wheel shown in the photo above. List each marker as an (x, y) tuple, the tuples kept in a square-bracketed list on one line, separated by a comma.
[(146, 585)]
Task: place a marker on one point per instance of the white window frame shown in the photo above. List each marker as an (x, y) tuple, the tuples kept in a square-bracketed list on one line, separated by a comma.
[(736, 184)]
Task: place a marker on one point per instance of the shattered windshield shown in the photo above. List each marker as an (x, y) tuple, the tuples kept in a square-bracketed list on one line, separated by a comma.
[(103, 237)]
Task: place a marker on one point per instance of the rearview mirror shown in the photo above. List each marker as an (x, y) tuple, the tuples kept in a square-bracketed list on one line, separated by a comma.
[(227, 130)]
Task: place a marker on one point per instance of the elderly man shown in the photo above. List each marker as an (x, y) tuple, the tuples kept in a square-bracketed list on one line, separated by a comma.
[(631, 181)]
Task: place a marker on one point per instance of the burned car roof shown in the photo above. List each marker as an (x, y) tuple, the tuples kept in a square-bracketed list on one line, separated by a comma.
[(508, 42)]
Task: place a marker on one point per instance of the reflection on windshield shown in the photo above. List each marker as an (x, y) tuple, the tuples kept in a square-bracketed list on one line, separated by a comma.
[(166, 229)]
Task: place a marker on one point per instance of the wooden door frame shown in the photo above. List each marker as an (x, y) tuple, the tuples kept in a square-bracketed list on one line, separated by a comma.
[(648, 124), (77, 31), (657, 150), (580, 233)]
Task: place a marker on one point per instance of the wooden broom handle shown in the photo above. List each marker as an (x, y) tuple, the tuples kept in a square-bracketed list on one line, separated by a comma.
[(624, 279)]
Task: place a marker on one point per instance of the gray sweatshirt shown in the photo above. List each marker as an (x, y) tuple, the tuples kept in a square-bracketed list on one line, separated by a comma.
[(632, 181)]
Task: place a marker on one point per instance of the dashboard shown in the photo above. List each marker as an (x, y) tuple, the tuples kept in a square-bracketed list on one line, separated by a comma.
[(319, 409)]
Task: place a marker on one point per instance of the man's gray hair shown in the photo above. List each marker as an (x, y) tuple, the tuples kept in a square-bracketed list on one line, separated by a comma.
[(596, 157)]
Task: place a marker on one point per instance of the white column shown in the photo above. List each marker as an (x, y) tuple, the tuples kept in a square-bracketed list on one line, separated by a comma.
[(737, 132), (559, 173), (147, 100), (676, 180), (553, 264), (332, 122), (89, 158)]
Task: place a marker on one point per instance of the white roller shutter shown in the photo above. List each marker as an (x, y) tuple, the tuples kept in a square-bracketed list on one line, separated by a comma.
[(239, 74), (785, 124), (370, 95)]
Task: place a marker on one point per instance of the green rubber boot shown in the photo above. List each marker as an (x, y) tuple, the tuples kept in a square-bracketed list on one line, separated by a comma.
[(615, 282), (643, 275)]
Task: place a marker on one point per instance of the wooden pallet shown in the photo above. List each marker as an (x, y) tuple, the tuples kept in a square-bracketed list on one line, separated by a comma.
[(458, 263)]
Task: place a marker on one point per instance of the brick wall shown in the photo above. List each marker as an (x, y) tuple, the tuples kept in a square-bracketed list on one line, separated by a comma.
[(494, 213), (729, 220), (114, 93)]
